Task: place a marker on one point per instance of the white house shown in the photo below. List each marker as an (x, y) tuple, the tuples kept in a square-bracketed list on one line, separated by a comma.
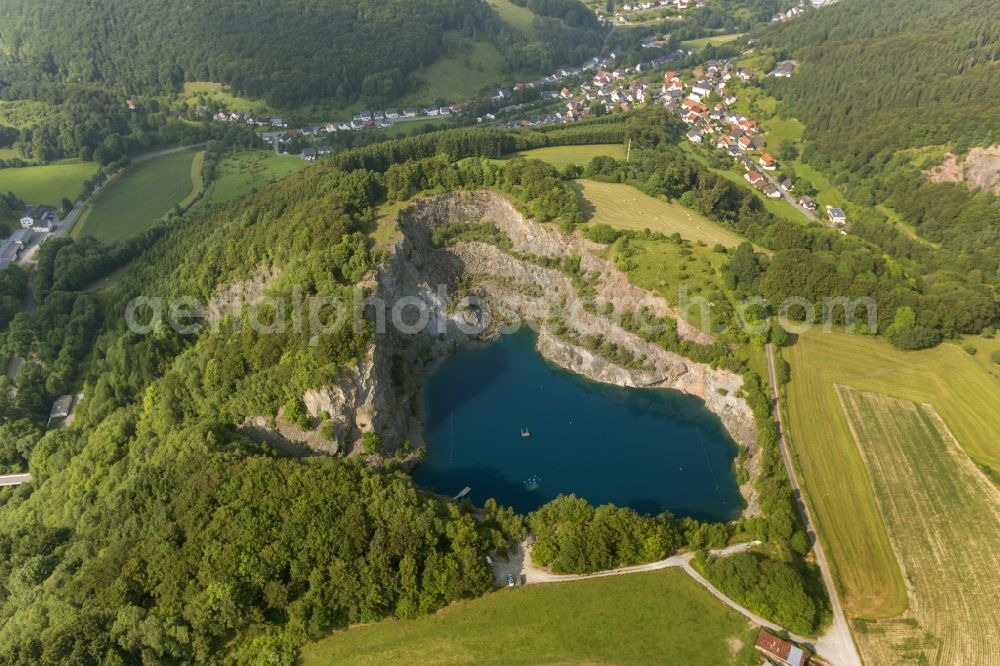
[(836, 215)]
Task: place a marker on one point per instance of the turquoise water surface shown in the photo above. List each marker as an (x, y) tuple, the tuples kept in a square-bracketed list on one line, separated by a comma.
[(649, 449)]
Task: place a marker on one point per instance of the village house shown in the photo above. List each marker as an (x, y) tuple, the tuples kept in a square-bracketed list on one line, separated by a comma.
[(753, 177), (836, 216), (784, 70), (787, 185), (768, 162), (808, 203), (780, 650)]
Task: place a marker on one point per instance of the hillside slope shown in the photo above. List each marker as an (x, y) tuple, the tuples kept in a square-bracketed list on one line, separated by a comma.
[(289, 52), (876, 77)]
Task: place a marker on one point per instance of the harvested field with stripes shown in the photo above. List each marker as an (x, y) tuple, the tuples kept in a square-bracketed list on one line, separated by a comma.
[(942, 515)]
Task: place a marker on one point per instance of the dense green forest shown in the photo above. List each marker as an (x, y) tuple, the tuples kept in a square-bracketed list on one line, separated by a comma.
[(288, 53), (876, 79)]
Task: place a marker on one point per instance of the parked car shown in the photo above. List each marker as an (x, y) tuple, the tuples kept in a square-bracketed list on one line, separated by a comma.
[(510, 580), (489, 560)]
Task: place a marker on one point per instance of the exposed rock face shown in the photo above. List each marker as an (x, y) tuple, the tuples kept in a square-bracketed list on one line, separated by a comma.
[(465, 292), (980, 170)]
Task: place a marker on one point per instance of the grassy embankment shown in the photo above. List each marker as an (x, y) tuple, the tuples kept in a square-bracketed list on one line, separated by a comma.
[(137, 198), (649, 618), (837, 482), (943, 519)]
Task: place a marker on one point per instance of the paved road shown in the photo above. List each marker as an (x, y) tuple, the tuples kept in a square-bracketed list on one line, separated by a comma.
[(836, 644), (14, 479), (789, 198)]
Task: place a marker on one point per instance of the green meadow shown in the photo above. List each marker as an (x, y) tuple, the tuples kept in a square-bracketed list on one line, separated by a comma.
[(137, 198), (661, 617)]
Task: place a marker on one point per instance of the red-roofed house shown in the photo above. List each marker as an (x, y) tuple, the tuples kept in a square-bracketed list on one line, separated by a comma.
[(694, 105), (753, 177), (781, 650), (745, 142), (768, 162)]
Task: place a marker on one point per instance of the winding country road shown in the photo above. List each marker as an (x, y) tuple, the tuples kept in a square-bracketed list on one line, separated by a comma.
[(811, 216), (836, 644)]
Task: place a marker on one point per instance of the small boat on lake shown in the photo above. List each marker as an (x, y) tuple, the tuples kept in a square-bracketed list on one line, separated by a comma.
[(525, 433), (532, 482)]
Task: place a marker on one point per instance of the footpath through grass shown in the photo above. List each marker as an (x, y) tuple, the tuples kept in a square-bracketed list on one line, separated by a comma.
[(661, 617), (837, 483), (137, 198), (943, 518)]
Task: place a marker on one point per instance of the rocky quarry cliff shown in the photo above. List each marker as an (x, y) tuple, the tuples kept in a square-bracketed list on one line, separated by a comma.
[(430, 298)]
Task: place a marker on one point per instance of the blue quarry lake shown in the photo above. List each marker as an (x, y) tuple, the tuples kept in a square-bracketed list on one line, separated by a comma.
[(649, 449)]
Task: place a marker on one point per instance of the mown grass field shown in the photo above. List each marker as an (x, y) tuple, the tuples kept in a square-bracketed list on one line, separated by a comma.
[(521, 18), (943, 519), (220, 94), (242, 172), (48, 184), (716, 40), (563, 156), (136, 199), (624, 207), (662, 617), (837, 483)]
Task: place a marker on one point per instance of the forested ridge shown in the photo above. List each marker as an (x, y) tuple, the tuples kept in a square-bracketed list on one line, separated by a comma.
[(878, 81), (288, 53), (156, 531), (876, 77)]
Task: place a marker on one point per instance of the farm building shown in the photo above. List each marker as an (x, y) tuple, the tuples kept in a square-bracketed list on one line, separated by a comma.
[(781, 650)]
